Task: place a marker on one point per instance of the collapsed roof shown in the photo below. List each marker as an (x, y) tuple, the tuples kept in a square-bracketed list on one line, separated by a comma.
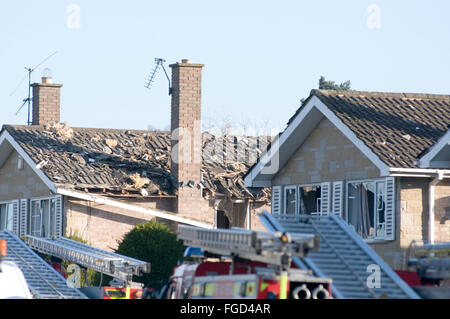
[(126, 162)]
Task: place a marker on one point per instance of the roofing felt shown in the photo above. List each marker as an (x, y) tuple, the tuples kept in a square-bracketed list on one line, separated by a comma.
[(398, 127), (127, 161)]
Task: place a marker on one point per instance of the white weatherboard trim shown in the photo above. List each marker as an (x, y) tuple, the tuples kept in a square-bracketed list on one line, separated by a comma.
[(28, 160), (436, 148), (119, 204), (315, 103), (419, 171)]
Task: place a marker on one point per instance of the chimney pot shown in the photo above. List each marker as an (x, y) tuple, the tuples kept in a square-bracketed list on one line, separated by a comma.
[(186, 61), (47, 80)]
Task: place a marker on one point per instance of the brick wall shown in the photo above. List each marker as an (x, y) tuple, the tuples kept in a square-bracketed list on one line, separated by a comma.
[(103, 226), (46, 103)]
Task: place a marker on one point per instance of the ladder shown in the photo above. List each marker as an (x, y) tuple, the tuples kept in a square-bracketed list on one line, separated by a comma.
[(344, 257), (112, 264), (43, 281), (271, 248)]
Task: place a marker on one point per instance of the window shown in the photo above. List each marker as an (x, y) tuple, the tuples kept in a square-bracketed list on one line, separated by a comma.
[(43, 217), (290, 200), (366, 208), (7, 216), (309, 199), (35, 218)]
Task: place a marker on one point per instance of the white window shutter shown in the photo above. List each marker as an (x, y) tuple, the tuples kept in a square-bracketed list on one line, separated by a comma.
[(390, 208), (338, 197), (276, 199), (58, 216), (15, 212), (325, 198), (23, 217)]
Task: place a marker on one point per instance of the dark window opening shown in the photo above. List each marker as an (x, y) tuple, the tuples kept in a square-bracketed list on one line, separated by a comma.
[(222, 220)]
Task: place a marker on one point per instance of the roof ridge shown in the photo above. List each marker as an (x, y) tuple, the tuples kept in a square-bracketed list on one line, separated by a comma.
[(116, 130), (381, 94)]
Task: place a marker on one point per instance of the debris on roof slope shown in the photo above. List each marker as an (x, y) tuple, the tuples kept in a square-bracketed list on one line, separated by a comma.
[(125, 162)]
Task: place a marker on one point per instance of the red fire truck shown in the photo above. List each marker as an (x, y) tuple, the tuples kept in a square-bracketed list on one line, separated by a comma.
[(244, 264)]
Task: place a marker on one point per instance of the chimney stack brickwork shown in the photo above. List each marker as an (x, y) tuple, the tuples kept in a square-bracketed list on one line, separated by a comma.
[(46, 103), (186, 159)]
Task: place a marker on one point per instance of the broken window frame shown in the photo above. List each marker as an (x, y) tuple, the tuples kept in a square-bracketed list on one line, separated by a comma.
[(317, 200), (378, 206)]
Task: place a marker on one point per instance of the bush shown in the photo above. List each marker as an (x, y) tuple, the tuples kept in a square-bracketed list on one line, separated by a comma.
[(153, 242)]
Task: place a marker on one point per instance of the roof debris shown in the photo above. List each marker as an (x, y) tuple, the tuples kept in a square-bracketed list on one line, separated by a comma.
[(138, 181), (62, 131), (136, 163)]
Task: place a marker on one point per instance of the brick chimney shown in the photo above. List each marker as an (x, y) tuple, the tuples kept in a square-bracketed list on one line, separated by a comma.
[(186, 134), (46, 102)]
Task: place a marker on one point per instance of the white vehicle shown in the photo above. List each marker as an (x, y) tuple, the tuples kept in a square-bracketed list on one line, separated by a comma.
[(12, 281)]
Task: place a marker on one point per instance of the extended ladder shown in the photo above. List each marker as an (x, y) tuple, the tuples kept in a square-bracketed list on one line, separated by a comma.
[(271, 248), (43, 281), (344, 257), (112, 264)]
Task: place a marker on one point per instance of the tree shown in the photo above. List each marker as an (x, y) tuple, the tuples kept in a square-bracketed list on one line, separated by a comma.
[(153, 242), (330, 85)]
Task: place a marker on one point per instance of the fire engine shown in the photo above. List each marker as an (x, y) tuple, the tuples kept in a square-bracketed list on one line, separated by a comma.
[(244, 264)]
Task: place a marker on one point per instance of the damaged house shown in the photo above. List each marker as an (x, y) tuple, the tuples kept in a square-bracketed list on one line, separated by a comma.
[(381, 161), (99, 183)]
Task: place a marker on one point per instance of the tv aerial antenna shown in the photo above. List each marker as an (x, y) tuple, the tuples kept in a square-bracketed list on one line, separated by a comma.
[(159, 63), (28, 99)]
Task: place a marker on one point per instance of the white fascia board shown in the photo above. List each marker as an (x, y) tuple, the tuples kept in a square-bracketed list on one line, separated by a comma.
[(419, 172), (130, 207), (275, 148), (315, 102), (6, 136), (435, 149)]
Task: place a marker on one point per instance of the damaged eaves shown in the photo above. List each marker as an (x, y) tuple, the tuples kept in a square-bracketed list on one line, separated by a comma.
[(131, 163)]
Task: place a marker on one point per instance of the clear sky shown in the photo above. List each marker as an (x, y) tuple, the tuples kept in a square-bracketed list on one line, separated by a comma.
[(261, 57)]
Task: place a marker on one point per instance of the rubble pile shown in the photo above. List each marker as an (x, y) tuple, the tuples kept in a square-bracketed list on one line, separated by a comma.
[(61, 131)]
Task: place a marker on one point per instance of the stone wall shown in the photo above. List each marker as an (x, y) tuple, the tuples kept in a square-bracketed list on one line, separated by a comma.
[(18, 183), (326, 155)]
